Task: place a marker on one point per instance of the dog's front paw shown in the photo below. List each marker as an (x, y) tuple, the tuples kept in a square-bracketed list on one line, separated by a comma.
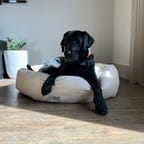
[(46, 89), (100, 105), (101, 108), (47, 86)]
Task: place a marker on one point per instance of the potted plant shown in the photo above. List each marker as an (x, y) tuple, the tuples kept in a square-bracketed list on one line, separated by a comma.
[(15, 58)]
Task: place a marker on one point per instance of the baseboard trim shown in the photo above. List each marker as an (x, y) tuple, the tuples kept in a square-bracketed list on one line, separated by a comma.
[(123, 71)]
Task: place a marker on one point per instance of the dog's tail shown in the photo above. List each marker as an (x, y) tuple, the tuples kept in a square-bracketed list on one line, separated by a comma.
[(29, 67)]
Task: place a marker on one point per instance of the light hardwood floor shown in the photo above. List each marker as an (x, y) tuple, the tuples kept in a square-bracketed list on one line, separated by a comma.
[(25, 121)]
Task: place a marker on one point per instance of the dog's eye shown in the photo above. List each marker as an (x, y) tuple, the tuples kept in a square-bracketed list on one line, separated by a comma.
[(77, 42)]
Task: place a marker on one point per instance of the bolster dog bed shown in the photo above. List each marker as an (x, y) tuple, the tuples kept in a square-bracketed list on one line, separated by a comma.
[(68, 89)]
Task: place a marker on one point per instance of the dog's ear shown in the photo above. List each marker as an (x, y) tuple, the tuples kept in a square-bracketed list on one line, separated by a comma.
[(88, 40), (65, 37)]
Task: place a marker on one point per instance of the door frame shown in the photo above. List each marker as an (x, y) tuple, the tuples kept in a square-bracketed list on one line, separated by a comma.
[(136, 30)]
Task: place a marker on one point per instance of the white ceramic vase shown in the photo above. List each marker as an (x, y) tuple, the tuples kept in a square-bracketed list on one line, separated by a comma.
[(14, 60)]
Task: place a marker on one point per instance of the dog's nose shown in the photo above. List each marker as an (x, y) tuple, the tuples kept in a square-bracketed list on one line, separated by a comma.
[(68, 53)]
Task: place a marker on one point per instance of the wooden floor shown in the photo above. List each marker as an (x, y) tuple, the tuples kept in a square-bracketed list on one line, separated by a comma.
[(25, 121)]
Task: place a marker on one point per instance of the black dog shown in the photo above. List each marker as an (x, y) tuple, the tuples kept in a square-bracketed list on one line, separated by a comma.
[(77, 62)]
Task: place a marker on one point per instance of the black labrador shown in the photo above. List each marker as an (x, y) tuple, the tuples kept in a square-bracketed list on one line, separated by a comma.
[(77, 61)]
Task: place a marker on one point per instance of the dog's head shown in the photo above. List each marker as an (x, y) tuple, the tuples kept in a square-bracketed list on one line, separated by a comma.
[(75, 46)]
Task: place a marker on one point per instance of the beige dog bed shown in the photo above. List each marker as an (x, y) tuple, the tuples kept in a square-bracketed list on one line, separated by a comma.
[(68, 89)]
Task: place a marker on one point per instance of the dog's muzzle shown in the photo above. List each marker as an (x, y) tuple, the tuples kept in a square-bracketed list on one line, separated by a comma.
[(68, 54), (71, 57)]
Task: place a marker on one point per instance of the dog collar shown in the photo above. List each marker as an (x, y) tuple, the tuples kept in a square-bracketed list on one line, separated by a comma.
[(89, 53)]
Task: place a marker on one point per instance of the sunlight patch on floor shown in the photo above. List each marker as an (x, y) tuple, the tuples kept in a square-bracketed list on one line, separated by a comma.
[(16, 119)]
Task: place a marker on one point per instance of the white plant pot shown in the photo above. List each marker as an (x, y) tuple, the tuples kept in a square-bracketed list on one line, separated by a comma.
[(14, 60)]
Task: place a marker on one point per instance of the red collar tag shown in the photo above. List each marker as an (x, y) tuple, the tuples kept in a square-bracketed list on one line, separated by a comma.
[(89, 53)]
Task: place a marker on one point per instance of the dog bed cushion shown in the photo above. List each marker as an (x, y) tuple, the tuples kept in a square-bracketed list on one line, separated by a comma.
[(69, 89)]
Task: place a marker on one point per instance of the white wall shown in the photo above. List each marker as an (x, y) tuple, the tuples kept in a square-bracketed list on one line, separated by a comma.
[(41, 23), (122, 32)]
